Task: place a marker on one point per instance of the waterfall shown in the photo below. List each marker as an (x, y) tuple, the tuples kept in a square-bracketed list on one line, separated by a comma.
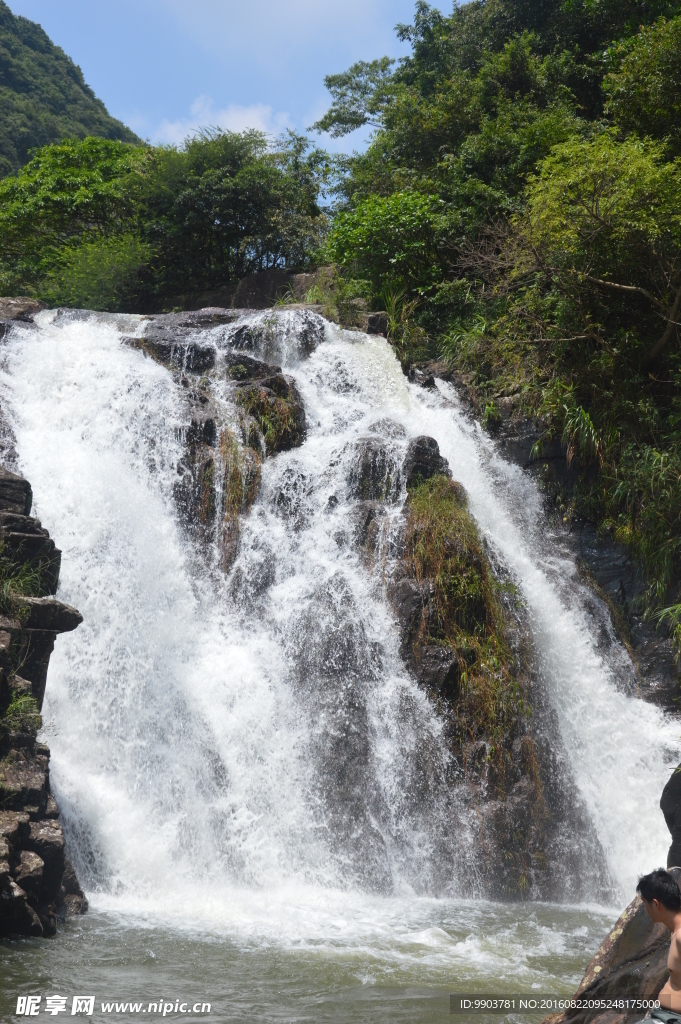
[(221, 741)]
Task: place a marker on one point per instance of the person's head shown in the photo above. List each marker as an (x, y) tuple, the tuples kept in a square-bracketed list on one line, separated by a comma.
[(659, 892)]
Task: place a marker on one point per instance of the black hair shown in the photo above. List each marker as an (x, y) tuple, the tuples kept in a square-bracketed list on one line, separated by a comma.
[(661, 886)]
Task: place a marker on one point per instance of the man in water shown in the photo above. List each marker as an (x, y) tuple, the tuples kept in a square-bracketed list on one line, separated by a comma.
[(662, 900)]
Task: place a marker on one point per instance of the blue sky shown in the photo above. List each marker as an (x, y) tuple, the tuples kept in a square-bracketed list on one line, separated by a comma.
[(166, 67)]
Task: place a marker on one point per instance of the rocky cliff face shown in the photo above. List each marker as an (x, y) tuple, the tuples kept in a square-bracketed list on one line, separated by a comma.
[(37, 882)]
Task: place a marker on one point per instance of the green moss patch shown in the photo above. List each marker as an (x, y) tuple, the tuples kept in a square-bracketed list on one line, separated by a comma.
[(443, 546), (278, 418)]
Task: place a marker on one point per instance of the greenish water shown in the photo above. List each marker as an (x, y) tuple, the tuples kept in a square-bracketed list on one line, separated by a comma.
[(394, 960)]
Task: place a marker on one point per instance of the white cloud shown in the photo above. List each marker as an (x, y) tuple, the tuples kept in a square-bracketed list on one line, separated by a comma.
[(233, 118)]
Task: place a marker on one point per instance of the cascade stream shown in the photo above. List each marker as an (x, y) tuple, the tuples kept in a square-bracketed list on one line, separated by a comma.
[(245, 754)]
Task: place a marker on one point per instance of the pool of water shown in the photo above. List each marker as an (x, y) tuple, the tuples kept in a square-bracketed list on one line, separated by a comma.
[(362, 960)]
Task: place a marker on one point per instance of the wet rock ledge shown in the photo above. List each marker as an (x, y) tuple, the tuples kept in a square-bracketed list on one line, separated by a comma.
[(37, 882)]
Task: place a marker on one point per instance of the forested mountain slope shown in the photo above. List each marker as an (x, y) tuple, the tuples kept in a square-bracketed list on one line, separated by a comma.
[(43, 97)]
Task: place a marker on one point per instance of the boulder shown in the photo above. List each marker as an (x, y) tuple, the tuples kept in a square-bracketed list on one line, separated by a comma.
[(46, 613), (24, 783), (242, 368), (15, 493), (17, 917), (277, 408), (47, 840), (423, 460), (19, 307), (14, 827), (631, 962), (72, 901), (29, 873), (375, 474), (366, 516), (377, 323), (408, 602), (10, 522), (670, 805), (437, 667)]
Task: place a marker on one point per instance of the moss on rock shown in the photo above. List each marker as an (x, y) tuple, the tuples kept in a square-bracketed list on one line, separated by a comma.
[(276, 408)]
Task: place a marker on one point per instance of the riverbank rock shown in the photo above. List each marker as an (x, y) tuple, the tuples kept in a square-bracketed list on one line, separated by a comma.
[(631, 962), (32, 846)]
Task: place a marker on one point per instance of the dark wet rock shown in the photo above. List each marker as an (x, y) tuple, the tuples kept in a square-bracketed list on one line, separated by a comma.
[(195, 489), (29, 872), (17, 916), (534, 836), (175, 351), (47, 840), (243, 368), (332, 658), (15, 493), (408, 601), (241, 485), (46, 613), (376, 323), (631, 962), (438, 668), (424, 380), (71, 901), (195, 319), (23, 539), (292, 495), (366, 516), (610, 570), (423, 460), (375, 472), (670, 805), (24, 781), (267, 335)]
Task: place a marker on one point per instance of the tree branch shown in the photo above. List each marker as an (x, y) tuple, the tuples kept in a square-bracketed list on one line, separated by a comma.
[(620, 287), (660, 345)]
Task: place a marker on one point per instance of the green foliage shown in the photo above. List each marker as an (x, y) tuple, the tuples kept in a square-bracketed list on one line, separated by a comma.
[(109, 225), (672, 617), (22, 715), (358, 95), (387, 239), (18, 578), (492, 418), (536, 246), (603, 226), (103, 274), (43, 98), (274, 415), (644, 92)]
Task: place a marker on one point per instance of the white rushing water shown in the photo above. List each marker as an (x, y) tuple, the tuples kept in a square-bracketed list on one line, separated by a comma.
[(250, 755)]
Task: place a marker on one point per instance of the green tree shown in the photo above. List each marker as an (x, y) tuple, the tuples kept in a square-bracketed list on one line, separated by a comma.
[(644, 93)]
